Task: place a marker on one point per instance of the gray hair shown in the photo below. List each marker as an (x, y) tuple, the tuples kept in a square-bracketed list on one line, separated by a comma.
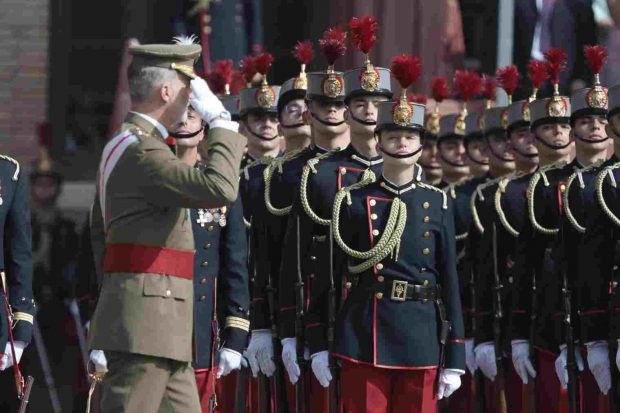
[(143, 80)]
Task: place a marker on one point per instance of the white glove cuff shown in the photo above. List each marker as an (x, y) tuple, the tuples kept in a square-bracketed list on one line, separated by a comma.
[(288, 340)]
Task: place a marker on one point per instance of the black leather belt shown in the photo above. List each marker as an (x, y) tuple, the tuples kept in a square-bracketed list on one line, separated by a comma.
[(404, 291)]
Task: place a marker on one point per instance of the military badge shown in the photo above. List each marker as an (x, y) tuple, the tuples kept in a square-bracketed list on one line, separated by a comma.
[(265, 96), (459, 124), (432, 123), (333, 85), (557, 107), (597, 98), (525, 111), (369, 78), (401, 114), (504, 119)]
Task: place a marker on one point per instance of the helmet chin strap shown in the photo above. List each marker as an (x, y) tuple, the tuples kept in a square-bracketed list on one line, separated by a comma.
[(325, 122), (592, 142), (456, 165), (476, 161), (498, 156), (429, 167), (525, 155), (398, 156), (261, 137), (185, 135), (550, 146), (363, 122), (293, 126)]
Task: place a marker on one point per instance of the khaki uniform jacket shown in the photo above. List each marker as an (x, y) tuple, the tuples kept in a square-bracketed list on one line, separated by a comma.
[(146, 197)]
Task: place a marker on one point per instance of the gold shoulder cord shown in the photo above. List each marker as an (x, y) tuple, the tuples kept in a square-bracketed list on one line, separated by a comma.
[(444, 196), (530, 199), (303, 187), (263, 160), (451, 188), (268, 175), (577, 174), (501, 189), (599, 191), (17, 168), (389, 243)]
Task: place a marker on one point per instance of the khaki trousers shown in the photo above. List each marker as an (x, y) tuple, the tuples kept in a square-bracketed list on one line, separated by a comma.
[(137, 383)]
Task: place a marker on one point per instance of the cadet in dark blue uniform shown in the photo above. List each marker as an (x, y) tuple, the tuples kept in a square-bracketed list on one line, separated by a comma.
[(16, 274), (322, 177), (220, 284), (550, 125), (391, 334), (588, 121), (598, 304)]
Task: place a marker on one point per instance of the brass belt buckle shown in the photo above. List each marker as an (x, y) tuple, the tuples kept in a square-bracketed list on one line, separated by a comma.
[(399, 290)]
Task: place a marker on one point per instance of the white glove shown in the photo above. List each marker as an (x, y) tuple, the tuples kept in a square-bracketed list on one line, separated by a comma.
[(618, 356), (289, 358), (229, 360), (560, 365), (521, 360), (260, 353), (208, 106), (470, 357), (7, 358), (598, 363), (97, 357), (485, 359), (320, 368), (449, 382)]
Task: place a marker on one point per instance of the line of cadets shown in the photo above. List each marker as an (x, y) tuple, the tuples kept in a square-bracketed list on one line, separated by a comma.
[(530, 187)]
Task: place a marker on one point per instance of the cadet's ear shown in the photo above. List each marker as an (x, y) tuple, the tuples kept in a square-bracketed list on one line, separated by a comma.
[(165, 92)]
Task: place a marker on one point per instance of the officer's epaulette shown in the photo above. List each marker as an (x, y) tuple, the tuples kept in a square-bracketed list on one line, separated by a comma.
[(578, 174), (303, 186), (600, 178), (13, 161), (501, 189), (444, 196), (478, 194), (541, 173)]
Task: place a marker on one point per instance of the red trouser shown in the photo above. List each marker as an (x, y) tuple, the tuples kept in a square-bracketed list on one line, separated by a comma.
[(316, 400), (368, 389), (224, 390)]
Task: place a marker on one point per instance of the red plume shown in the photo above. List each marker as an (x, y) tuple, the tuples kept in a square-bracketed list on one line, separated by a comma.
[(237, 83), (248, 68), (556, 63), (418, 98), (596, 56), (332, 44), (225, 69), (304, 52), (537, 72), (263, 63), (468, 84), (406, 69), (489, 85), (364, 32), (216, 82), (440, 88), (508, 78)]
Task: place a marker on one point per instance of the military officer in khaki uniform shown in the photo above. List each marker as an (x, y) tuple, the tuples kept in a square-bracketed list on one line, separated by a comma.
[(142, 235)]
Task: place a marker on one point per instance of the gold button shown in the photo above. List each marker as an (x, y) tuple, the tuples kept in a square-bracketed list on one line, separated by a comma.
[(203, 281), (426, 251), (562, 188), (207, 30), (343, 170), (207, 245), (211, 228), (375, 232), (426, 205), (168, 292), (348, 285), (372, 202), (423, 269), (311, 276), (379, 266), (205, 263), (381, 278), (203, 297), (425, 283), (379, 296), (373, 216), (427, 219), (427, 234), (312, 258)]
